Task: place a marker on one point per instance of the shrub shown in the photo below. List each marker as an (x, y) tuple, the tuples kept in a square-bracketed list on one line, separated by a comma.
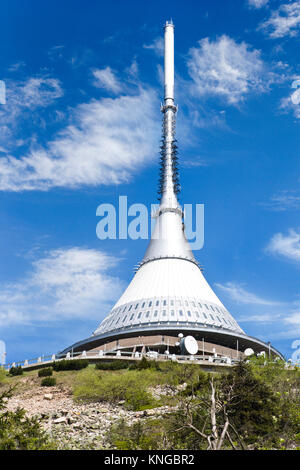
[(256, 404), (16, 370), (177, 374), (144, 364), (72, 364), (48, 382), (18, 432), (139, 436), (113, 365), (46, 372)]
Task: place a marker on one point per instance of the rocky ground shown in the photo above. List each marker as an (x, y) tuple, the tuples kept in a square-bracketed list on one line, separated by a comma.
[(73, 424)]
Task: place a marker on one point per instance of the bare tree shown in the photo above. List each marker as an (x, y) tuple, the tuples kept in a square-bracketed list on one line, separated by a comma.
[(212, 413)]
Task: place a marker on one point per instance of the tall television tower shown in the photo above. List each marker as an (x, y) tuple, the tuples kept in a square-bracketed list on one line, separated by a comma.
[(169, 296)]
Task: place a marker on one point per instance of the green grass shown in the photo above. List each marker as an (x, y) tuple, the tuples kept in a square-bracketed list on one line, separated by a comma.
[(132, 386), (3, 375), (115, 386)]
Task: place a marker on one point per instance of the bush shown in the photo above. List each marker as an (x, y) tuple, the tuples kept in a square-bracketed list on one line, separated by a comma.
[(113, 365), (16, 371), (176, 374), (139, 436), (72, 364), (48, 382), (46, 372), (18, 432), (144, 364)]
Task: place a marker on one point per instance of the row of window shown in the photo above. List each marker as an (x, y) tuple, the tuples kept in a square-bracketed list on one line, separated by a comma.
[(120, 320), (164, 303)]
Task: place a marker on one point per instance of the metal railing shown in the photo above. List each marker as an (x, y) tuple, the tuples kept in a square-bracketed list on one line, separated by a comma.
[(43, 360)]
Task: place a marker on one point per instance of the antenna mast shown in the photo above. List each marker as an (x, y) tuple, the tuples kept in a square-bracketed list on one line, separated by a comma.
[(169, 180)]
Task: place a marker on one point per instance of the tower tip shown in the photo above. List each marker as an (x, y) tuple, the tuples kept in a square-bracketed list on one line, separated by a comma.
[(169, 23)]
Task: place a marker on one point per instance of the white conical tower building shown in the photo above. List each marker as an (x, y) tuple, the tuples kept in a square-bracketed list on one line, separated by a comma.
[(168, 294)]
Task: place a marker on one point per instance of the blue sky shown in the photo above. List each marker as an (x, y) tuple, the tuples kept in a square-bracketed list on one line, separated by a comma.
[(81, 126)]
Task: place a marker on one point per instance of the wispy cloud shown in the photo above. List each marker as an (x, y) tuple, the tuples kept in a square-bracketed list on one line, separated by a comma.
[(105, 142), (65, 284), (23, 97), (157, 46), (283, 201), (259, 318), (287, 246), (285, 21), (257, 3), (292, 102), (16, 66), (240, 295), (56, 52), (194, 163), (227, 69), (107, 79)]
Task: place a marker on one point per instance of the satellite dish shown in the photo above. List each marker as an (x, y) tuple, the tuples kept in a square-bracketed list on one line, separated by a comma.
[(180, 335), (189, 345), (248, 352)]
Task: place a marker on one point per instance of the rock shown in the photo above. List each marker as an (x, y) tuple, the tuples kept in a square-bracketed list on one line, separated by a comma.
[(48, 396), (150, 412), (103, 410), (60, 420), (77, 426), (71, 420), (121, 402)]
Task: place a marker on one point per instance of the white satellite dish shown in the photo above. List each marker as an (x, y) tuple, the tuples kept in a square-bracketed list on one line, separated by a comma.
[(248, 352), (189, 345)]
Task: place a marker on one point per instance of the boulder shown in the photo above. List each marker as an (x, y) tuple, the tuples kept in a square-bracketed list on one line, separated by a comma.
[(60, 420), (48, 396)]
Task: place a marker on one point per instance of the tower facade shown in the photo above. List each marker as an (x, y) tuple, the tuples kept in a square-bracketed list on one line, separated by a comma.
[(168, 294)]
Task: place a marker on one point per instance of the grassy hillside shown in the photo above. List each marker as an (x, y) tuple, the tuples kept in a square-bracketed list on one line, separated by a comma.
[(160, 406)]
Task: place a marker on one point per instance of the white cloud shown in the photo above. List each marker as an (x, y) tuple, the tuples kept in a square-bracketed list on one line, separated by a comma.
[(157, 46), (227, 69), (283, 201), (241, 296), (133, 70), (34, 93), (294, 318), (292, 102), (23, 98), (285, 21), (105, 142), (65, 284), (257, 3), (261, 318), (106, 78), (287, 246)]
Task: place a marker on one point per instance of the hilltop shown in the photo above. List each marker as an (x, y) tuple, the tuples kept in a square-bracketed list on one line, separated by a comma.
[(156, 406)]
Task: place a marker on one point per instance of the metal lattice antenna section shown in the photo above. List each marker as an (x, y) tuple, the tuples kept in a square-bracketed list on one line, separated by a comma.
[(169, 185)]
